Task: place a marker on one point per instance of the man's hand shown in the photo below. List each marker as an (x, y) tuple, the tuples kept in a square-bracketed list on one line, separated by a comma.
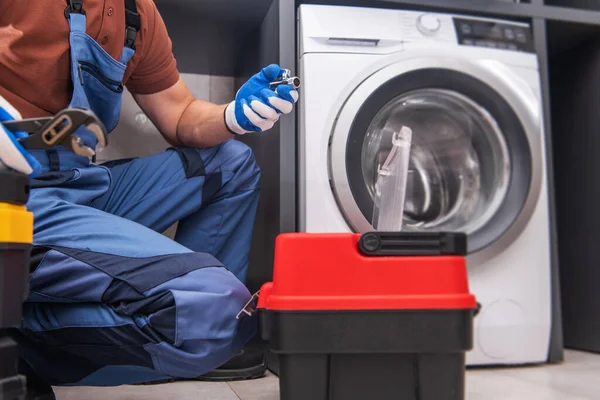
[(256, 107), (186, 121), (12, 154)]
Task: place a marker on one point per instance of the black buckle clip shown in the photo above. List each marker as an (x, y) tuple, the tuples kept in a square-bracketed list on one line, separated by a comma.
[(410, 243), (130, 35), (74, 7)]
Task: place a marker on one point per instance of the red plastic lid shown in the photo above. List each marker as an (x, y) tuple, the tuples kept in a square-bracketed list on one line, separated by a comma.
[(328, 272)]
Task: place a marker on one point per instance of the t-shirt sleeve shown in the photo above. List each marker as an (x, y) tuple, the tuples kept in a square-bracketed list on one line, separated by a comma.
[(157, 68)]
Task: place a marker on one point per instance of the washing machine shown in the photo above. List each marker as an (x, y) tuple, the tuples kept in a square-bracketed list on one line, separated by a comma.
[(469, 89)]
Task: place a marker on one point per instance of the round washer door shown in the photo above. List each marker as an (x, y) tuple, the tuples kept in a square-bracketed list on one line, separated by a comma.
[(475, 163)]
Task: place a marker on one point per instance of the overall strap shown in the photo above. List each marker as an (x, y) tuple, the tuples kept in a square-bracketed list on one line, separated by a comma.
[(132, 19), (132, 23), (74, 7), (75, 14)]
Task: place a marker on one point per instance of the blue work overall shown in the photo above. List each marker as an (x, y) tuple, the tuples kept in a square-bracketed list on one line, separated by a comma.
[(112, 300)]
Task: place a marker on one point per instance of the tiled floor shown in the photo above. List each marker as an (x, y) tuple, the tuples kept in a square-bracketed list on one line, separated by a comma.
[(578, 378)]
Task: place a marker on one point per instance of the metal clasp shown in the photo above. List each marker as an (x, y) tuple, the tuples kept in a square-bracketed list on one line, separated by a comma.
[(249, 309)]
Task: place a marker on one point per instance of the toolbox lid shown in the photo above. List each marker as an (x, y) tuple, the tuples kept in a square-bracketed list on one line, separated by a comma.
[(343, 272)]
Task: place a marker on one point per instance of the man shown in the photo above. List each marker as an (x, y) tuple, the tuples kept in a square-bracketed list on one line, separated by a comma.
[(112, 300)]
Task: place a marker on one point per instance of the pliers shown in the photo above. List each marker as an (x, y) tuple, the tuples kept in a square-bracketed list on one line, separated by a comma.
[(48, 132)]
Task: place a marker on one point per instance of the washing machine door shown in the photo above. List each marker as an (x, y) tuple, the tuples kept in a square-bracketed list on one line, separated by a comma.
[(475, 163)]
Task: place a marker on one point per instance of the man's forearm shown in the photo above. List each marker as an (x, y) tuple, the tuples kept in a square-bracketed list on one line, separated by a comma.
[(202, 124), (185, 121)]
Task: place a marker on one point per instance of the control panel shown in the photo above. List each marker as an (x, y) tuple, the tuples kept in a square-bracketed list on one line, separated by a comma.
[(496, 35), (428, 24)]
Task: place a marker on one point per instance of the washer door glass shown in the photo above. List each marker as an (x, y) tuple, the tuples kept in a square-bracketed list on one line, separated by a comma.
[(459, 168), (471, 163)]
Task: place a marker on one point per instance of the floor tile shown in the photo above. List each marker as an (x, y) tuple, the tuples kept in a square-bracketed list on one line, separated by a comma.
[(581, 360), (170, 391), (575, 378), (576, 382), (266, 388), (497, 385)]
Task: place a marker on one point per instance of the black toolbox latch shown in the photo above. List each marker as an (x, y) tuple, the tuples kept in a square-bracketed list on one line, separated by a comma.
[(413, 244)]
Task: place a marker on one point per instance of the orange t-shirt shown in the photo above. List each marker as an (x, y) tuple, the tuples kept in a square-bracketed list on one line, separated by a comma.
[(35, 69)]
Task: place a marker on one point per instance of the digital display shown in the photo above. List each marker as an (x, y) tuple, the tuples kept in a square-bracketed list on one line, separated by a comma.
[(494, 35), (487, 30)]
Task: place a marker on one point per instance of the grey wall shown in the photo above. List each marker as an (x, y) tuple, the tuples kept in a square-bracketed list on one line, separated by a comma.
[(209, 35), (200, 45), (575, 83), (136, 136), (240, 12), (275, 150), (588, 4)]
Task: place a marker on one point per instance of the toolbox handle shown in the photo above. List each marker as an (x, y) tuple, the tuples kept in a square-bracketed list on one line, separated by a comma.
[(413, 244)]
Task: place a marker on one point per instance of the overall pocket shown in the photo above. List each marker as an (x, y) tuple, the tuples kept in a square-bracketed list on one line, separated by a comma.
[(89, 70), (103, 94)]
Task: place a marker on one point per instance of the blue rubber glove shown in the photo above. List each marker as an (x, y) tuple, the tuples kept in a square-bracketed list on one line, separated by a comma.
[(12, 154), (256, 107)]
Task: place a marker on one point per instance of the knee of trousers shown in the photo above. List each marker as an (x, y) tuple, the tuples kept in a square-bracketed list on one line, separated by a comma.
[(229, 158), (207, 331), (176, 313), (241, 156)]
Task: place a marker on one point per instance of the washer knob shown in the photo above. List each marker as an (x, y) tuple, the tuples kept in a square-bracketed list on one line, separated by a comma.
[(428, 24)]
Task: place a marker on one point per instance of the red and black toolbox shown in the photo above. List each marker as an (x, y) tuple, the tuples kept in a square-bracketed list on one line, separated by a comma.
[(379, 315)]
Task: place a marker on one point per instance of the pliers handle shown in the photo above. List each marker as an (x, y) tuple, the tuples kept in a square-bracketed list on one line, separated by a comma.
[(48, 132)]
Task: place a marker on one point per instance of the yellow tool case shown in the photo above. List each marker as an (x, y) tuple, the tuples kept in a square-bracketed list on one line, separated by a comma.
[(16, 234)]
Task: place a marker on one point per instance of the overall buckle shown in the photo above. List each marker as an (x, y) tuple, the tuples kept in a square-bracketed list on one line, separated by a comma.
[(132, 23), (130, 35), (74, 7)]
